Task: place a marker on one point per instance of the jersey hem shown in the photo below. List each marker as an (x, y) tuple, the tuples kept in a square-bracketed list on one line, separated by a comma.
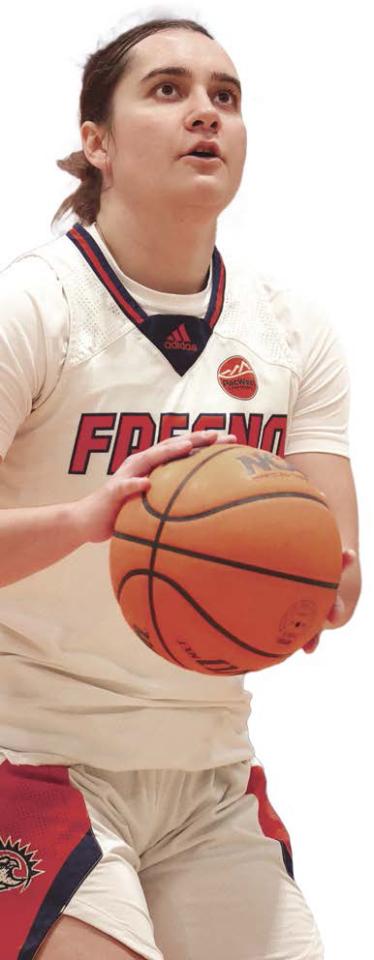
[(107, 924), (316, 447)]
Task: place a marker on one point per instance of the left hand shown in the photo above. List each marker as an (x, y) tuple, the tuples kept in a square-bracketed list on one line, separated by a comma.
[(342, 610)]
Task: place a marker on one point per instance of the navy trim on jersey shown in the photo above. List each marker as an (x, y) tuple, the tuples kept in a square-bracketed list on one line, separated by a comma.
[(181, 339), (78, 865)]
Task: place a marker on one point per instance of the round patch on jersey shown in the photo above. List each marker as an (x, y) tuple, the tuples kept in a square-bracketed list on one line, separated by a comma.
[(237, 378)]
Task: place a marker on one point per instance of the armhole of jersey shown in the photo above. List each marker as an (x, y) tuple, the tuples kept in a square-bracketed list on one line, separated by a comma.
[(42, 397)]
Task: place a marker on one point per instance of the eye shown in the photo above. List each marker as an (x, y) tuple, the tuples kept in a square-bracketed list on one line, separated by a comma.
[(228, 97), (167, 88)]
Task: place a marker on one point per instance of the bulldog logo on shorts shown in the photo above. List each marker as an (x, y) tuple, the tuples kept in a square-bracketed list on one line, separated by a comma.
[(17, 865)]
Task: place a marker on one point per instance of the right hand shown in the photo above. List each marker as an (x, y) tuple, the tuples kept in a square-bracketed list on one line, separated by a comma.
[(95, 514)]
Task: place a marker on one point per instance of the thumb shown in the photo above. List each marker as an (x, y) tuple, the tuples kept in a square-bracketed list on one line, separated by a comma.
[(312, 644), (349, 557), (337, 610)]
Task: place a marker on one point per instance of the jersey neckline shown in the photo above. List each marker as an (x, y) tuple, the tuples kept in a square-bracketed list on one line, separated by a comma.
[(180, 338)]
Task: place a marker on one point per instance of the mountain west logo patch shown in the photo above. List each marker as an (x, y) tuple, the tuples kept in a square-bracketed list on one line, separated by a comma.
[(17, 865), (237, 378)]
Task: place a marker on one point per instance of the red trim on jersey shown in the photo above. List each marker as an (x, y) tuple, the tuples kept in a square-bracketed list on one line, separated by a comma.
[(77, 237), (95, 257), (220, 294), (270, 823)]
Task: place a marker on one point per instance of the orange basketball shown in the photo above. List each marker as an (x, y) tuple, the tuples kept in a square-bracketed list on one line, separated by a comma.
[(229, 563)]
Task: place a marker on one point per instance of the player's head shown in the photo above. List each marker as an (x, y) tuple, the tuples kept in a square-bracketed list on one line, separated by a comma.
[(136, 127)]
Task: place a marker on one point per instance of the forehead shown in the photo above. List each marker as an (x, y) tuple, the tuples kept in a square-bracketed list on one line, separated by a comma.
[(178, 47)]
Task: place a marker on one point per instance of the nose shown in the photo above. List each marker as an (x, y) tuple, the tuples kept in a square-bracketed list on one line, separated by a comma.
[(202, 113)]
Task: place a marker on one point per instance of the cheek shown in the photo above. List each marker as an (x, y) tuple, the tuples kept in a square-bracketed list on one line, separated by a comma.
[(236, 156), (242, 145), (140, 142), (132, 148), (130, 144), (236, 144)]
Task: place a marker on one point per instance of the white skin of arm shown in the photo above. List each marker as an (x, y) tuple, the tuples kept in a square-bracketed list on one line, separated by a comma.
[(333, 475), (32, 538)]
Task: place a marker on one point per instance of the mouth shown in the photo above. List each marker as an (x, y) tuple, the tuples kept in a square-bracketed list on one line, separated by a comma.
[(206, 159), (206, 152)]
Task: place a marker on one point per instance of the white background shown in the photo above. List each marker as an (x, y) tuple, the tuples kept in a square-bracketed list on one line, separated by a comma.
[(304, 212)]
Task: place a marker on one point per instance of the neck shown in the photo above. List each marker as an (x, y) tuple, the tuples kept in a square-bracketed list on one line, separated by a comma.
[(170, 253)]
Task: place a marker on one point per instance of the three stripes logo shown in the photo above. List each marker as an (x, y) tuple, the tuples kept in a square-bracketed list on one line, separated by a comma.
[(179, 339)]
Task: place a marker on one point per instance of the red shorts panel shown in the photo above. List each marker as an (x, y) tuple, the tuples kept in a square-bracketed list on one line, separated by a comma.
[(270, 823), (47, 848)]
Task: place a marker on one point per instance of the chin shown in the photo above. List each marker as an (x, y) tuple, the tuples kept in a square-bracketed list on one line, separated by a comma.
[(207, 195)]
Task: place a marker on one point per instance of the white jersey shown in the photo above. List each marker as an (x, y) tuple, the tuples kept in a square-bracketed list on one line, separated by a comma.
[(93, 367)]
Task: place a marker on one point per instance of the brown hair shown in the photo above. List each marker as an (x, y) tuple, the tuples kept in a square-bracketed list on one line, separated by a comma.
[(102, 72)]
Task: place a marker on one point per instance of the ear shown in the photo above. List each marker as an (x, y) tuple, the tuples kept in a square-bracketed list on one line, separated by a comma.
[(92, 145)]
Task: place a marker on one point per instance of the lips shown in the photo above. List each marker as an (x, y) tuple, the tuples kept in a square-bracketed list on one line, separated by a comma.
[(205, 148)]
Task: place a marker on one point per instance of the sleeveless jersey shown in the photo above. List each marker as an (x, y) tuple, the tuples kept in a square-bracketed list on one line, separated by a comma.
[(90, 377)]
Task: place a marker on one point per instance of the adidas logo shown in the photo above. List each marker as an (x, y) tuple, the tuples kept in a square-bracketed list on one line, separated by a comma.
[(180, 340)]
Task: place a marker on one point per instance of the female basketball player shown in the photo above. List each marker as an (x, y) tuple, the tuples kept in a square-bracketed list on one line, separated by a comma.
[(134, 815)]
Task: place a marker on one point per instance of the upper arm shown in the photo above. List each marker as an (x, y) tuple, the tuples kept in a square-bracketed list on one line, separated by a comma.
[(317, 437), (33, 341), (22, 356), (320, 388), (333, 475)]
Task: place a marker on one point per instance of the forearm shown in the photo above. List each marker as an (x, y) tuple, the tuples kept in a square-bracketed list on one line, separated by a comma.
[(33, 538), (333, 475), (349, 592)]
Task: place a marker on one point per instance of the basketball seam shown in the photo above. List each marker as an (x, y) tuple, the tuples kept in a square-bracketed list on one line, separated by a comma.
[(203, 613), (152, 562), (232, 503), (237, 564)]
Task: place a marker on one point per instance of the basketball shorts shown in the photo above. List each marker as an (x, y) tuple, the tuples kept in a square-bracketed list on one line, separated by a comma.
[(175, 865)]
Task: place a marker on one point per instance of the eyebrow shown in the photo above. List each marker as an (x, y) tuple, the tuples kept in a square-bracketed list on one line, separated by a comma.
[(184, 72)]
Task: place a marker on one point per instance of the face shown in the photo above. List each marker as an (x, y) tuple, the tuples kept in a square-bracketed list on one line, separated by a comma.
[(180, 90)]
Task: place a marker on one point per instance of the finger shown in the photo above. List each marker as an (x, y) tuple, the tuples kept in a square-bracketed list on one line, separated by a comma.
[(228, 438), (349, 557), (336, 613), (141, 464), (203, 438), (128, 486), (195, 437), (312, 644)]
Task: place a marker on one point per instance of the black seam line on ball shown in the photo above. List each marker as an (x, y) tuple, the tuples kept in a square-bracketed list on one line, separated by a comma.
[(203, 613), (230, 504), (152, 609), (252, 568)]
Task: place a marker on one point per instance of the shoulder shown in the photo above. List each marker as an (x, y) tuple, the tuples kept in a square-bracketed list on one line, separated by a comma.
[(31, 272), (301, 317), (31, 292)]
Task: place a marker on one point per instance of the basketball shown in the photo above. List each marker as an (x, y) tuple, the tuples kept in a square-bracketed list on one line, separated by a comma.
[(229, 563)]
